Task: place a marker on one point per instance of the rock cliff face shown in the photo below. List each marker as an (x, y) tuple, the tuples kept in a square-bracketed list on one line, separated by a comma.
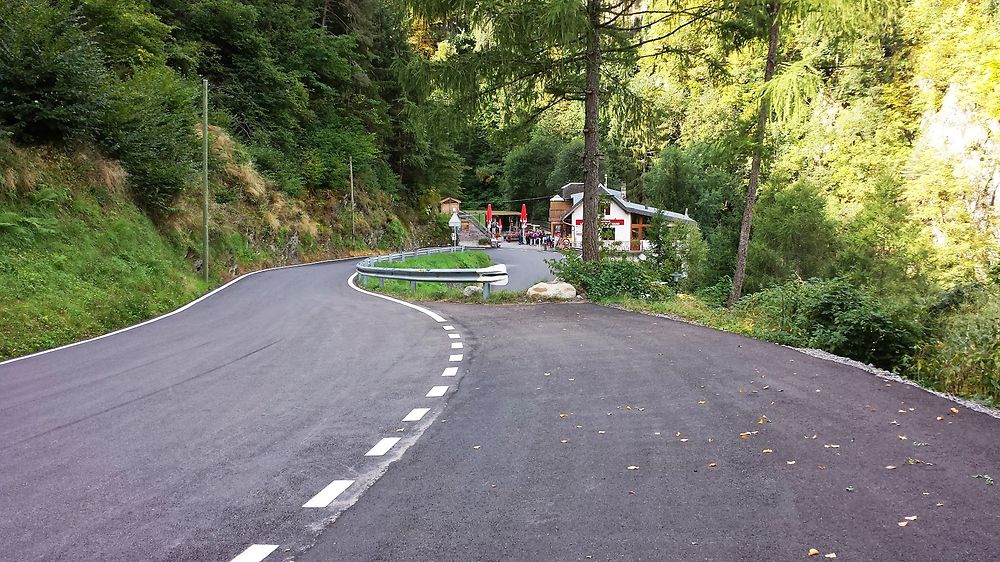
[(969, 141)]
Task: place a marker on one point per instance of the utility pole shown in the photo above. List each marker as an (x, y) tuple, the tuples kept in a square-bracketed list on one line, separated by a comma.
[(350, 165), (204, 173)]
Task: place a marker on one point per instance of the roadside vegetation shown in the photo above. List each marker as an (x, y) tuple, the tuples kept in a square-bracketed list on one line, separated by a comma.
[(455, 260)]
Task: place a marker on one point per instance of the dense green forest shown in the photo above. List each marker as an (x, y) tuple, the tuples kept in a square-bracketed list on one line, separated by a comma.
[(872, 145)]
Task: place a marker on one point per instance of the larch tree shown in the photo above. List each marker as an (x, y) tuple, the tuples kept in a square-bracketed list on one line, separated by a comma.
[(525, 57), (788, 86)]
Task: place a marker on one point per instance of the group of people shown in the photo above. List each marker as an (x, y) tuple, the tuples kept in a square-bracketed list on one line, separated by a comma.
[(531, 236)]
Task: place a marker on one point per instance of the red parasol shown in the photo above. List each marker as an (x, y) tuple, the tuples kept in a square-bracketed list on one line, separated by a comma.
[(489, 213), (524, 213)]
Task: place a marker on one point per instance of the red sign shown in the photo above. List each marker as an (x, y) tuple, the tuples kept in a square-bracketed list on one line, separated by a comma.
[(606, 222)]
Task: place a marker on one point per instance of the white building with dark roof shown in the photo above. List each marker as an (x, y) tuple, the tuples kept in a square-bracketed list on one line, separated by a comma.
[(623, 223)]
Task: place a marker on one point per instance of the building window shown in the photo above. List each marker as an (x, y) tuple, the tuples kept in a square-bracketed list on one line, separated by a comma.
[(607, 233)]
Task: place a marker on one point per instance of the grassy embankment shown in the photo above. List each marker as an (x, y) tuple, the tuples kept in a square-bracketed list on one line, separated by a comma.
[(441, 291), (78, 258)]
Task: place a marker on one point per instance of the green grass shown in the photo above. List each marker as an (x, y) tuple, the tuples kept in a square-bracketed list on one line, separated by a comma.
[(441, 291), (456, 260), (79, 265)]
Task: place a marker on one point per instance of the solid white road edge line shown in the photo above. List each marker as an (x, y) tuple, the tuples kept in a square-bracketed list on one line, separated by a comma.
[(454, 358), (382, 447), (255, 553), (178, 311), (457, 345), (434, 315), (415, 414), (437, 392), (326, 496), (454, 336), (450, 372)]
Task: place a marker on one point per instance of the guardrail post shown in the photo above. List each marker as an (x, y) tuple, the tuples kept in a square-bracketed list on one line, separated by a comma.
[(413, 286), (381, 282), (486, 291)]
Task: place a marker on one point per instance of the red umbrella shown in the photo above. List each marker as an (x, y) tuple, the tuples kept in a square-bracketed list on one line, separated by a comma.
[(489, 213), (524, 213)]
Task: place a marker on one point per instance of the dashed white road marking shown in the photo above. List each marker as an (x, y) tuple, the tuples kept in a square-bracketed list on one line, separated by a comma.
[(415, 414), (437, 391), (450, 372), (328, 494), (454, 358), (383, 446), (454, 336), (449, 327), (255, 553), (457, 345)]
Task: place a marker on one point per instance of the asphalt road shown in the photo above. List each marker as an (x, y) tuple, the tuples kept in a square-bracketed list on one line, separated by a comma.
[(525, 264), (199, 435), (192, 437)]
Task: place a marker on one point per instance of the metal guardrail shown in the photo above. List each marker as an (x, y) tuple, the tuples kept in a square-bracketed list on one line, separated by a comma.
[(492, 275)]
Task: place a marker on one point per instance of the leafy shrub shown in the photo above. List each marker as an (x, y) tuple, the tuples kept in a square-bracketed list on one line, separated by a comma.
[(716, 295), (677, 247), (53, 83), (608, 278), (838, 317), (152, 132), (961, 353)]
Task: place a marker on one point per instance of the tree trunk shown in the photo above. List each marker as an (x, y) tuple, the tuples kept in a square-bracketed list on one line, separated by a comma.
[(773, 8), (591, 137)]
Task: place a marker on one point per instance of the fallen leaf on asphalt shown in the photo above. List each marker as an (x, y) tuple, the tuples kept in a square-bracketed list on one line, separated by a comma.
[(850, 488), (953, 410), (711, 465), (641, 409), (656, 433), (564, 441), (940, 418), (890, 467), (831, 555), (986, 477), (476, 446), (766, 387), (684, 440), (678, 434), (902, 411), (547, 374), (627, 407), (631, 467), (789, 462), (920, 444), (901, 437), (571, 379), (831, 446), (938, 505), (600, 432), (762, 420), (631, 492), (813, 552), (910, 518), (563, 415), (894, 422), (579, 427), (903, 523), (701, 401), (767, 451), (911, 460)]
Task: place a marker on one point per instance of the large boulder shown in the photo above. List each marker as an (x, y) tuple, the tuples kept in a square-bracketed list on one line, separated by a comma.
[(552, 290), (472, 290)]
